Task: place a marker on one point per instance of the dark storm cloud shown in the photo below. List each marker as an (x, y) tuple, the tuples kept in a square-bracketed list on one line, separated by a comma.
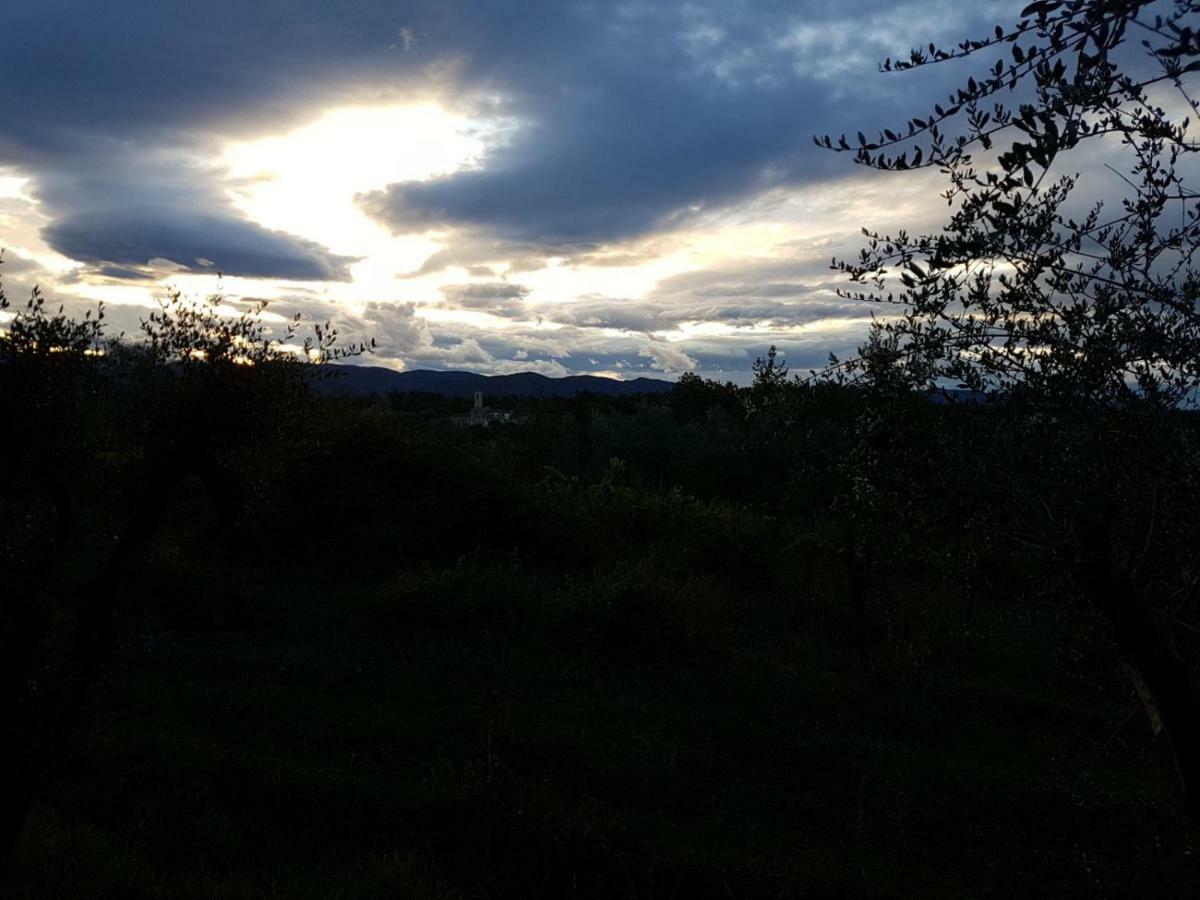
[(627, 130), (121, 207), (115, 239), (639, 117), (109, 92), (633, 116), (133, 69)]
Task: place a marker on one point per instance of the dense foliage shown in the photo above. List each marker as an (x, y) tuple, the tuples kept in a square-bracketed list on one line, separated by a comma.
[(713, 642), (1029, 287), (1083, 318)]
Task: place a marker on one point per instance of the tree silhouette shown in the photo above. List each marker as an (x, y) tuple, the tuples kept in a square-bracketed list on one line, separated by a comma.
[(768, 392), (104, 431), (770, 371), (1023, 291), (1079, 313)]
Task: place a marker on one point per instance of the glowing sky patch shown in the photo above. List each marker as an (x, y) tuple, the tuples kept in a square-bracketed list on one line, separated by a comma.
[(12, 185), (306, 182)]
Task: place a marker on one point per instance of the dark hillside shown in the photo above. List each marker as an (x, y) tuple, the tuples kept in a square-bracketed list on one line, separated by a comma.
[(378, 380), (622, 648)]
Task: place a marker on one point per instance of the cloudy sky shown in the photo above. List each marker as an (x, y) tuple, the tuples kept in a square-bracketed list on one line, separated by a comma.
[(618, 188)]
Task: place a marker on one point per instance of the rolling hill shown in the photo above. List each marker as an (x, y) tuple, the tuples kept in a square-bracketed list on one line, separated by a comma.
[(362, 380)]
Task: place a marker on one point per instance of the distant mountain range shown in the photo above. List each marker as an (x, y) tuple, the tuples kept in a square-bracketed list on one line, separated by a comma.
[(378, 380)]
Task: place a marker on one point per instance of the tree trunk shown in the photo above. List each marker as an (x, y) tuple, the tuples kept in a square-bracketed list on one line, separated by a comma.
[(1111, 589)]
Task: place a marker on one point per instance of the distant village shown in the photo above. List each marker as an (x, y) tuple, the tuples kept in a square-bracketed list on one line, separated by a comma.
[(481, 416)]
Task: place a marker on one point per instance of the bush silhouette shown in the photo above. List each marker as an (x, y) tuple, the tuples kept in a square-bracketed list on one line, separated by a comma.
[(106, 430)]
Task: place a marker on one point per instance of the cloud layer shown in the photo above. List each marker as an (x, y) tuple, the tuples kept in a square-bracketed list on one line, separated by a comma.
[(613, 126)]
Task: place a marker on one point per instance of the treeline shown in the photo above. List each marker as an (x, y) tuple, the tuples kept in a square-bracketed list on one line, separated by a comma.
[(619, 612)]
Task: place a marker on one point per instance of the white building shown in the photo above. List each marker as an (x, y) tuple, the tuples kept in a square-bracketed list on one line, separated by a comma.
[(483, 416)]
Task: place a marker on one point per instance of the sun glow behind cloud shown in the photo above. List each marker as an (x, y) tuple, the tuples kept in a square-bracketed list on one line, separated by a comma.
[(587, 181), (305, 182), (13, 186), (20, 222)]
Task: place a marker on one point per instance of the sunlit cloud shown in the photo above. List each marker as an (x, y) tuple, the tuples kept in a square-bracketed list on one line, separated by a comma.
[(305, 182), (626, 188)]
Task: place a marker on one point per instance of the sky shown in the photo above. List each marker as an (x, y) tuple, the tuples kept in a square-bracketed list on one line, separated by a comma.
[(613, 188)]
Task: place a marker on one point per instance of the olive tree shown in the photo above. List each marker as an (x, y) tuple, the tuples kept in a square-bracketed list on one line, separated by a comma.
[(1021, 291), (1064, 284)]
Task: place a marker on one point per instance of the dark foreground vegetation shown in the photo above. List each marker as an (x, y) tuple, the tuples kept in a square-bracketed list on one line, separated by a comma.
[(827, 639), (706, 644)]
